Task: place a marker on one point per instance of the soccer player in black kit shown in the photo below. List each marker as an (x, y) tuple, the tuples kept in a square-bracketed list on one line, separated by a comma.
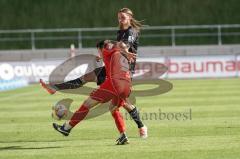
[(128, 33)]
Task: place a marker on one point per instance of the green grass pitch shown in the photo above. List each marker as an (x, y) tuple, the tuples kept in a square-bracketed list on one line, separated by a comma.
[(212, 132)]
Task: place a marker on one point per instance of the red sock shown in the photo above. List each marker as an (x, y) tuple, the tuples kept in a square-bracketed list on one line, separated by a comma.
[(119, 121), (79, 115)]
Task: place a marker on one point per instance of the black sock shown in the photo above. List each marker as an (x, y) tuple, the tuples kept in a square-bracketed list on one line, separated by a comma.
[(135, 116), (73, 84)]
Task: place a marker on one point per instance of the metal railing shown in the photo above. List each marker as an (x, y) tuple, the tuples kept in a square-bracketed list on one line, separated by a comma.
[(150, 35)]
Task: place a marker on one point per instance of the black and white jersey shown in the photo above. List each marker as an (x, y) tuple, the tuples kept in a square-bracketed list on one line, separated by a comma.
[(129, 37)]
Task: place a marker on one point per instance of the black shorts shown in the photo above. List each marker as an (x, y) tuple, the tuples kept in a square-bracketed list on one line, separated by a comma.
[(101, 74), (132, 67)]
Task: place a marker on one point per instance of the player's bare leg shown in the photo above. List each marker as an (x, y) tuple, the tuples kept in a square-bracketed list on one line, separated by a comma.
[(132, 110)]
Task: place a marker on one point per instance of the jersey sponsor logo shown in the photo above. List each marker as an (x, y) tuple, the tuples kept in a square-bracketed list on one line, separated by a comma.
[(130, 39)]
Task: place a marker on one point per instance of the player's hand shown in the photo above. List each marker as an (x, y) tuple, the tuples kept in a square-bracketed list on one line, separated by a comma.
[(131, 56), (131, 60), (98, 58)]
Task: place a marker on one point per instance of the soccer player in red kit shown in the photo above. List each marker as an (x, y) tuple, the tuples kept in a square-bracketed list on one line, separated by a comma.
[(129, 29), (116, 87)]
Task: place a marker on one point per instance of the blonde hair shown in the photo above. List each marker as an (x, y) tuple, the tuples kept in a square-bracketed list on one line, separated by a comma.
[(133, 22)]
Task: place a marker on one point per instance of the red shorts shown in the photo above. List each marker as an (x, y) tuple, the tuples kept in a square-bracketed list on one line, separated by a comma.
[(116, 90)]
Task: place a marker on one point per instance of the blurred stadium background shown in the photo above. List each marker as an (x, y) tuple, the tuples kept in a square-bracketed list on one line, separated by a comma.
[(199, 41)]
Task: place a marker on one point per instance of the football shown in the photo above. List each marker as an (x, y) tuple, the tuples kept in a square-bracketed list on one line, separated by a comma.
[(59, 111)]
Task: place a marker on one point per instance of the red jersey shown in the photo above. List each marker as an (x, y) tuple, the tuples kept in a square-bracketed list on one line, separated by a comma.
[(117, 85), (116, 64)]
